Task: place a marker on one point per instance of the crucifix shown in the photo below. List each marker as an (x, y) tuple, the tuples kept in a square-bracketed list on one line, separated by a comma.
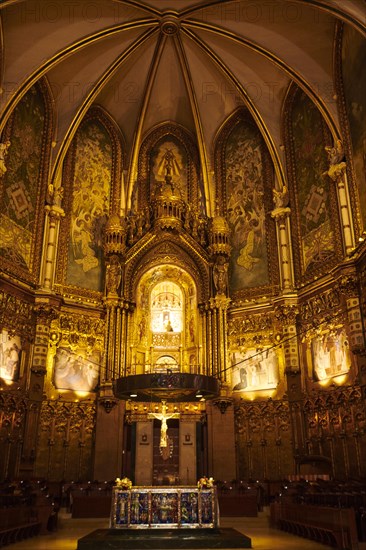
[(163, 416)]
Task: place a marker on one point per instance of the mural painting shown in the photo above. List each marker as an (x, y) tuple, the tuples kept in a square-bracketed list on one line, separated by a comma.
[(90, 206), (245, 208), (253, 370), (74, 371), (330, 355), (10, 350), (317, 235), (19, 177), (353, 65)]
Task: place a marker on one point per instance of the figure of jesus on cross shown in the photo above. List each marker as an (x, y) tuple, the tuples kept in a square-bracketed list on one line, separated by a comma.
[(163, 416)]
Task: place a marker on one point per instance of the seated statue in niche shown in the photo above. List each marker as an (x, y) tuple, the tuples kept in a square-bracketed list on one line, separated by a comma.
[(168, 326)]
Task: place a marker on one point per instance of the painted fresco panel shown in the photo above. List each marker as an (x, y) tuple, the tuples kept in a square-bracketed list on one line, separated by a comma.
[(330, 355), (10, 350), (75, 371), (253, 371), (353, 71), (245, 208), (90, 206), (20, 169), (317, 235), (169, 154)]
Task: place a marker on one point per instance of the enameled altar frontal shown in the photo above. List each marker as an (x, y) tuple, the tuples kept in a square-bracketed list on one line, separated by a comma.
[(162, 507)]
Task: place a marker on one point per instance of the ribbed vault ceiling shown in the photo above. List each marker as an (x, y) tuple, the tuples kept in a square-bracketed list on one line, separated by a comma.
[(186, 61)]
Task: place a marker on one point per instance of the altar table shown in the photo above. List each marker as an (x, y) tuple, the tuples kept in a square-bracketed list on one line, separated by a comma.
[(162, 507)]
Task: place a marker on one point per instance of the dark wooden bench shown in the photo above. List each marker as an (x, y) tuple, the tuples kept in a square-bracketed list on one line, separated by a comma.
[(17, 533), (331, 536), (18, 523), (330, 526)]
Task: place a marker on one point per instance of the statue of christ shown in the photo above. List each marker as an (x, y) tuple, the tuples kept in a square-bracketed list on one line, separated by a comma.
[(163, 416)]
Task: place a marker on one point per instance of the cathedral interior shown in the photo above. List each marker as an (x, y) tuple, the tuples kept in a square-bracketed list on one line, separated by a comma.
[(182, 240)]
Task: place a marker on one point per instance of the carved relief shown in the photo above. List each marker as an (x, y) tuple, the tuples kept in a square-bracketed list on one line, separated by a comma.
[(263, 439), (16, 315)]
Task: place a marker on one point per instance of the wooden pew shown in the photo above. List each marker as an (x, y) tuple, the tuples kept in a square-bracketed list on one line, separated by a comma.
[(18, 523), (332, 526)]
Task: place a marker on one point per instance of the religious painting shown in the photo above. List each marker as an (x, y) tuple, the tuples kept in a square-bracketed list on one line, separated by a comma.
[(206, 508), (353, 68), (76, 371), (188, 507), (169, 158), (311, 162), (139, 508), (331, 355), (90, 205), (246, 212), (253, 370), (20, 160), (10, 351), (164, 508), (121, 507)]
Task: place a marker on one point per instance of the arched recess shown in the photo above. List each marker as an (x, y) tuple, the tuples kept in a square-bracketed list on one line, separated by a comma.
[(165, 326), (183, 146), (92, 179), (244, 182), (316, 238), (27, 138), (166, 249), (350, 52)]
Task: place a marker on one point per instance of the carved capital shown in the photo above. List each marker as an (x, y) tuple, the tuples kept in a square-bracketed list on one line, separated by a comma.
[(223, 403)]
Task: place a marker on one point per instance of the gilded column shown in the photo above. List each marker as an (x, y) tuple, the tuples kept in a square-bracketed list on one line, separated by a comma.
[(50, 241), (337, 173), (203, 352), (114, 248), (44, 314), (53, 215), (281, 216), (286, 315)]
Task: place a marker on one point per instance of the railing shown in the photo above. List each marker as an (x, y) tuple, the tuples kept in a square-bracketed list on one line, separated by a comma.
[(166, 340)]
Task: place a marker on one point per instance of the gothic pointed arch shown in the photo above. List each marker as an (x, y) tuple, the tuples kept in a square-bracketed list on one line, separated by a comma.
[(244, 182), (23, 182), (313, 199), (92, 178), (160, 251)]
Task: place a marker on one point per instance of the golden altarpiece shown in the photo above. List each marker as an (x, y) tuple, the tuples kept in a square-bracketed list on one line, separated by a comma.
[(162, 367)]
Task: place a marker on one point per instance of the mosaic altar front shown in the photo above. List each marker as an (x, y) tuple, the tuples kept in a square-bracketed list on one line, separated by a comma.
[(161, 507)]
